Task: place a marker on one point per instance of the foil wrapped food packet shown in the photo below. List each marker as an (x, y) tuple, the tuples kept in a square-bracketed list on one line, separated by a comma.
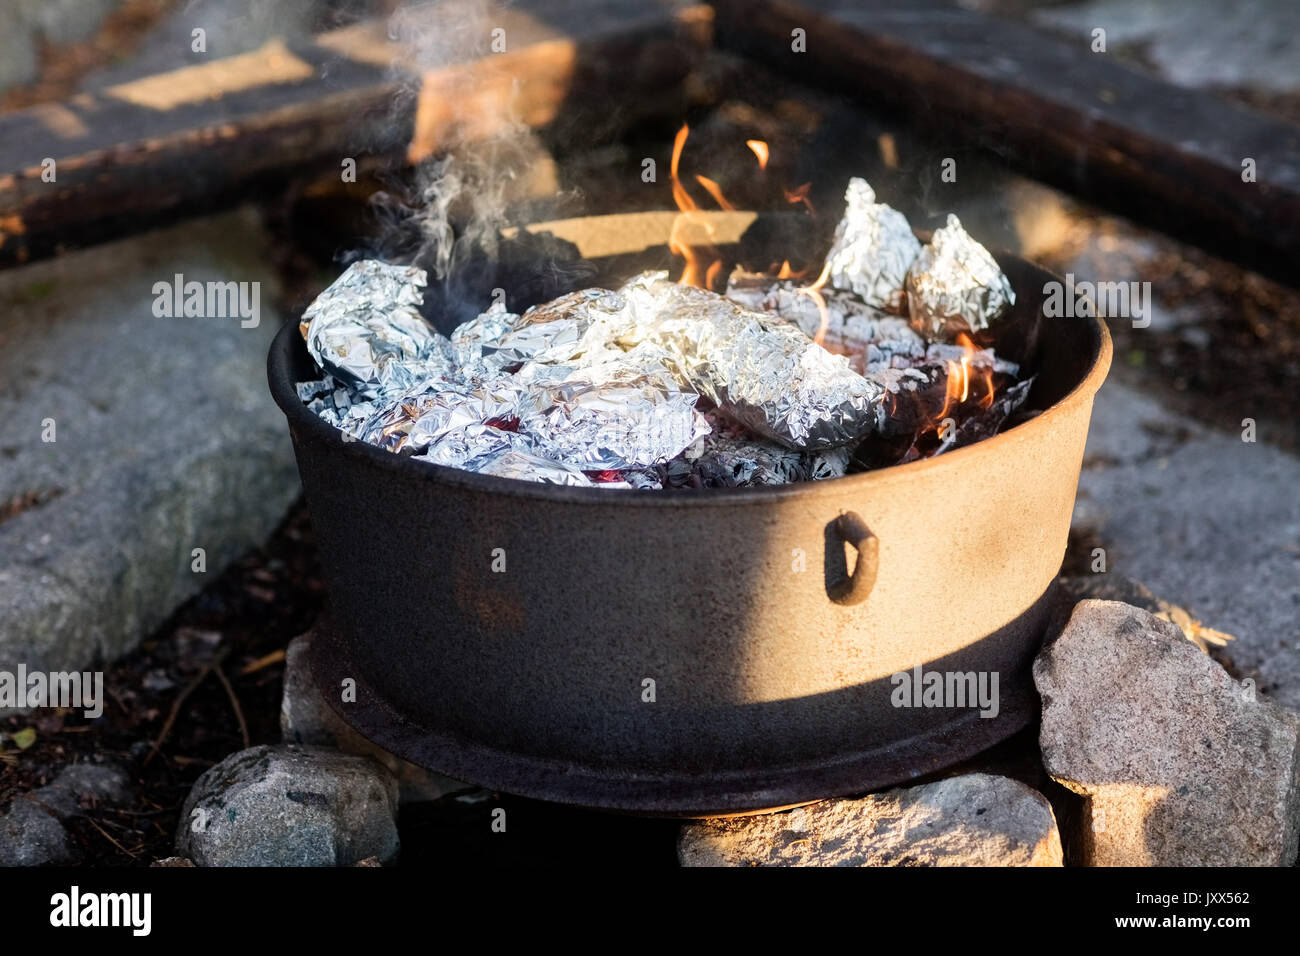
[(472, 342), (624, 412), (977, 358), (505, 454), (872, 250), (955, 285), (763, 373), (366, 330), (614, 426), (575, 328), (842, 323)]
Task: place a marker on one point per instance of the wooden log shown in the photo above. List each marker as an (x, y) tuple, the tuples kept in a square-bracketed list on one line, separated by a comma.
[(1144, 148), (148, 151)]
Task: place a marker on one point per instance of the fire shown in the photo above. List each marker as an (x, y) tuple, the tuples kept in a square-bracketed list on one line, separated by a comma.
[(695, 272), (969, 378), (680, 195), (814, 292), (799, 195), (715, 191), (966, 380), (703, 262), (715, 268)]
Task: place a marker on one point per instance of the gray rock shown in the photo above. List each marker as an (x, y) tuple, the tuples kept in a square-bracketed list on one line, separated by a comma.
[(972, 820), (102, 783), (1113, 586), (1180, 764), (1202, 518), (32, 832), (166, 440), (290, 806), (306, 718), (31, 835)]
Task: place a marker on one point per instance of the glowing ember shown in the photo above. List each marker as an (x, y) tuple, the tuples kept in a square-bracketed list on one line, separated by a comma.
[(760, 150), (799, 195)]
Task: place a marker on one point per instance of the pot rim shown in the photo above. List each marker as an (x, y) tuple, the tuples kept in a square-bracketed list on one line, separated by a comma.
[(300, 417)]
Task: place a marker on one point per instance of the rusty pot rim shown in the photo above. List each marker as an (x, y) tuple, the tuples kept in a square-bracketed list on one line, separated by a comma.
[(300, 417)]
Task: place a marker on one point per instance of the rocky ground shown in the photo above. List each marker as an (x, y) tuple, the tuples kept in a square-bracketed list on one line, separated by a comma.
[(166, 436)]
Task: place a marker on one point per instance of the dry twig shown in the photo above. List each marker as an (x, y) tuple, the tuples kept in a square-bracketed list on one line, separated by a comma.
[(217, 658)]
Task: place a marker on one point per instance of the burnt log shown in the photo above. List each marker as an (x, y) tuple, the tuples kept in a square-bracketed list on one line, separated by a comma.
[(1142, 147), (148, 151)]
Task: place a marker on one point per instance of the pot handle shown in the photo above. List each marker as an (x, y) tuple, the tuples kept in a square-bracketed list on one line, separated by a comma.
[(856, 588)]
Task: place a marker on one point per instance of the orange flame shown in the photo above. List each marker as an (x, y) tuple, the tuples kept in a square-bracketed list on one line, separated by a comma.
[(710, 277), (715, 191), (760, 150), (966, 380), (703, 261), (799, 194), (814, 292), (680, 195), (692, 272)]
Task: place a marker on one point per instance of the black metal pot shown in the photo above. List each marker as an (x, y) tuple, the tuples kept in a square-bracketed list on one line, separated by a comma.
[(695, 653)]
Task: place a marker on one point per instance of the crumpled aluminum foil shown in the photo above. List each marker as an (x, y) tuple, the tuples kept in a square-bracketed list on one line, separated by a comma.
[(575, 328), (871, 338), (366, 330), (472, 342), (764, 373), (491, 451), (942, 352), (526, 467), (873, 248), (609, 426), (955, 285), (494, 451)]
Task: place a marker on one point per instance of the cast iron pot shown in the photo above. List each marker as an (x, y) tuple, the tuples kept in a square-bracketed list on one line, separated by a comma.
[(695, 653)]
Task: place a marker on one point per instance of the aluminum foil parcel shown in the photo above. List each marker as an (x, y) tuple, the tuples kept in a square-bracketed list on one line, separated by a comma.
[(842, 323), (765, 374), (955, 285), (872, 251), (367, 332)]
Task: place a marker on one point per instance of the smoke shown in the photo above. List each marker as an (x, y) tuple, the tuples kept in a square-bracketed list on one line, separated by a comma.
[(473, 161)]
